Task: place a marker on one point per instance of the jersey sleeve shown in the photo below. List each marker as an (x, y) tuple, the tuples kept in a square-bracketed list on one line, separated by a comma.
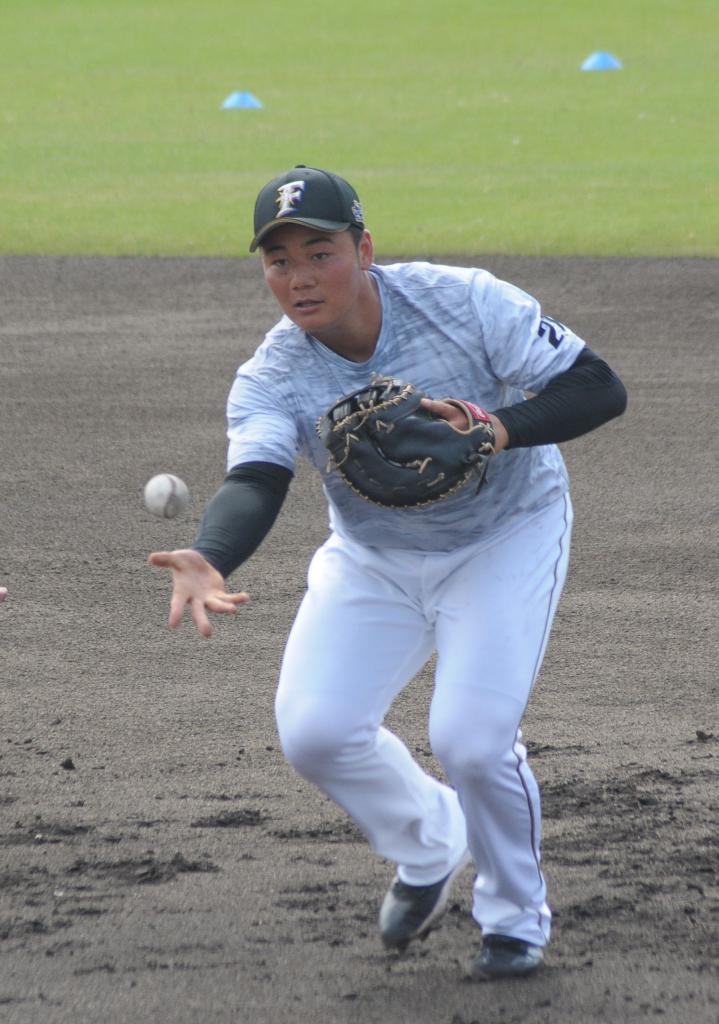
[(525, 347), (260, 424)]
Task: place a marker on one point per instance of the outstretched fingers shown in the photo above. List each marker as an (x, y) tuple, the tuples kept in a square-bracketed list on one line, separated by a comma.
[(199, 584), (225, 602), (218, 603), (161, 559), (200, 617), (177, 608)]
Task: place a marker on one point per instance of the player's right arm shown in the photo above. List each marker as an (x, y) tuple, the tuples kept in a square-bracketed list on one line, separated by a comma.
[(197, 585), (263, 443), (234, 524)]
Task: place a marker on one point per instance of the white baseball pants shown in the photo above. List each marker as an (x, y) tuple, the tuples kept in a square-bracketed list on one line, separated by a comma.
[(369, 621)]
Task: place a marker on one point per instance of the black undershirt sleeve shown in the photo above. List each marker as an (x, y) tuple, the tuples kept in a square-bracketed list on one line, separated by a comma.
[(582, 398), (241, 514)]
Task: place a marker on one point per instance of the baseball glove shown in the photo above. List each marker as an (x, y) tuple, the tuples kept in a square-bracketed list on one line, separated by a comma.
[(394, 452)]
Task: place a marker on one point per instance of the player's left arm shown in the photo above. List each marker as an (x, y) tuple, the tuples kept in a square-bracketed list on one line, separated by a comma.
[(574, 390), (574, 402)]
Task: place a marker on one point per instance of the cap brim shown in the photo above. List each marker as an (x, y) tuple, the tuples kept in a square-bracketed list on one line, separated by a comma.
[(331, 226)]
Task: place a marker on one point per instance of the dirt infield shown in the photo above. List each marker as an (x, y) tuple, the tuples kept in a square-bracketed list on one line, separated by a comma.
[(159, 860)]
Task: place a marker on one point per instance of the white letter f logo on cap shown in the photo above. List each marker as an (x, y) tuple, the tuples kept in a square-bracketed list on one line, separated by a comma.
[(288, 196)]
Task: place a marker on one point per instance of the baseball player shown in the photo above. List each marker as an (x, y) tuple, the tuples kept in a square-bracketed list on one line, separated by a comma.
[(475, 577)]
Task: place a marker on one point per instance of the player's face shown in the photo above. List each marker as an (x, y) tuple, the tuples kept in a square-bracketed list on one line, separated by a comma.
[(318, 278)]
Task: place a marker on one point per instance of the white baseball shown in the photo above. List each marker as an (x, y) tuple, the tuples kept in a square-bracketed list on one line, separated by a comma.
[(166, 495)]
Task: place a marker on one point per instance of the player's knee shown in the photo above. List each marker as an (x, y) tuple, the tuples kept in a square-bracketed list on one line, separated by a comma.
[(468, 761), (301, 743), (469, 748), (312, 739)]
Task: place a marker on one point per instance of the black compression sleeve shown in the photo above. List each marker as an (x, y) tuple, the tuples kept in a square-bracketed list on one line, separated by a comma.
[(241, 514), (582, 398)]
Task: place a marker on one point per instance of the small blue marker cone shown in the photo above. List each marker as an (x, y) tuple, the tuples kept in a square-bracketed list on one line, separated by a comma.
[(241, 101), (601, 61)]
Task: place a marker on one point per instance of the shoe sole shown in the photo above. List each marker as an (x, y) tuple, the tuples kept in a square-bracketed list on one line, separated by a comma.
[(430, 922), (497, 974)]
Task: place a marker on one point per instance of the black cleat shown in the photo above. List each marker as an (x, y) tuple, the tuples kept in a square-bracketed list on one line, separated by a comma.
[(505, 957), (412, 911)]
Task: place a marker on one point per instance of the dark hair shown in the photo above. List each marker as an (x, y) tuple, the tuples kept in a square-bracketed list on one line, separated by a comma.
[(356, 234)]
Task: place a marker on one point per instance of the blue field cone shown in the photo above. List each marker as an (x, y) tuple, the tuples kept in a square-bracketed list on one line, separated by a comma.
[(601, 61), (241, 101)]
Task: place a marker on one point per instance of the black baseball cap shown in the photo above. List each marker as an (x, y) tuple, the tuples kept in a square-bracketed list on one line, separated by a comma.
[(310, 196)]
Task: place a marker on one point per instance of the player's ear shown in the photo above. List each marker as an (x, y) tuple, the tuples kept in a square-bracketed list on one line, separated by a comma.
[(366, 251)]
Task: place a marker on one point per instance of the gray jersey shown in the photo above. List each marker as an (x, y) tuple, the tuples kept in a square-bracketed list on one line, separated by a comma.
[(453, 332)]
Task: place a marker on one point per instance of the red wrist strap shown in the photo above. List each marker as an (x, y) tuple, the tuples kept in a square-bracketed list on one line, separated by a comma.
[(477, 412)]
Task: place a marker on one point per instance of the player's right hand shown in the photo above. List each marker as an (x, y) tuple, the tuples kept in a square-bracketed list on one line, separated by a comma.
[(198, 584)]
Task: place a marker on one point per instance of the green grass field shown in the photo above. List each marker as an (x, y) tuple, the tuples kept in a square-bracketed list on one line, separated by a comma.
[(465, 126)]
